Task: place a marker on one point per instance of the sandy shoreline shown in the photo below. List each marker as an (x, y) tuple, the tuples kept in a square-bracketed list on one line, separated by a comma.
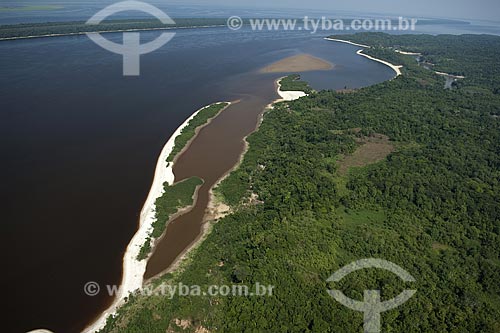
[(408, 53), (133, 270), (450, 75), (287, 95), (395, 68), (183, 210)]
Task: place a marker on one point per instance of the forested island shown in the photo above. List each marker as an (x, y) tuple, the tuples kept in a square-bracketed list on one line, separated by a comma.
[(294, 83), (179, 195), (405, 171)]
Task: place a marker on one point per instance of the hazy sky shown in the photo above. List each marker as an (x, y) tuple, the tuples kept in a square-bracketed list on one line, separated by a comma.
[(468, 9), (473, 9)]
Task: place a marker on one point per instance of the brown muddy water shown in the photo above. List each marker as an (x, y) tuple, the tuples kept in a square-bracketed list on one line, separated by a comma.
[(214, 151)]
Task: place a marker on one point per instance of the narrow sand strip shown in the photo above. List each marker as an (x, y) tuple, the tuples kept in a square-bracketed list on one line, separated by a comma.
[(133, 270), (450, 75), (408, 53), (347, 42), (397, 69)]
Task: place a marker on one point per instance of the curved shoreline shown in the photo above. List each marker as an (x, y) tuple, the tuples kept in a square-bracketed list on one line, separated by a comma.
[(287, 95), (184, 210), (133, 270), (395, 68)]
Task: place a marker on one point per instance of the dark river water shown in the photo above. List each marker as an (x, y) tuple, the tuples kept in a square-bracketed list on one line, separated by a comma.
[(79, 144)]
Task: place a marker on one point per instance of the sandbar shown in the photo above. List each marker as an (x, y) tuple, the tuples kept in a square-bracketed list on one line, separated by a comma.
[(297, 64)]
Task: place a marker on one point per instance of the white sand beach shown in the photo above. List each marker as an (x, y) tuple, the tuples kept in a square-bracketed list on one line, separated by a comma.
[(396, 68), (408, 53), (288, 95), (284, 96), (450, 75), (133, 270)]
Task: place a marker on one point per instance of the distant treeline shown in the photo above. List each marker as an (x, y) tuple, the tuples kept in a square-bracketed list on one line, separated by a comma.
[(65, 28), (25, 30)]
